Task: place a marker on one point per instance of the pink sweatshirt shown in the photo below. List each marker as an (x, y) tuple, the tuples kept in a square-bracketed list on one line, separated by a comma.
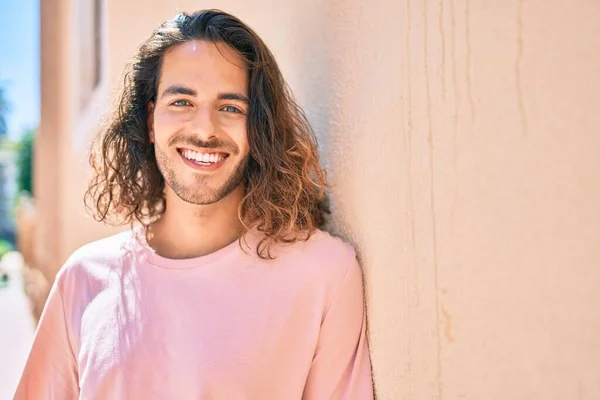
[(122, 322)]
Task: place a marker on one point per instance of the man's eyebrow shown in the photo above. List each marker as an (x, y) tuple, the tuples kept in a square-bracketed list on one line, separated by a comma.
[(178, 89), (234, 96)]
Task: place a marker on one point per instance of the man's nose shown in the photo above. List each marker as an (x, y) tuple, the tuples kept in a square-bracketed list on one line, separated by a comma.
[(203, 123)]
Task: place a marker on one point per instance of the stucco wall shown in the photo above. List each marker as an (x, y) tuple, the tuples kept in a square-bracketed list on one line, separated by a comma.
[(460, 139)]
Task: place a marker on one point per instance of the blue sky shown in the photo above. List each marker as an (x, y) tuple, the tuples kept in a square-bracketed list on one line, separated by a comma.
[(19, 62)]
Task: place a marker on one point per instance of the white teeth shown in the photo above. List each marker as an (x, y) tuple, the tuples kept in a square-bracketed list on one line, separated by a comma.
[(202, 157)]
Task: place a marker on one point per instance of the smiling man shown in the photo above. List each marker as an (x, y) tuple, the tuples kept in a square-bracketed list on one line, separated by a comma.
[(224, 287)]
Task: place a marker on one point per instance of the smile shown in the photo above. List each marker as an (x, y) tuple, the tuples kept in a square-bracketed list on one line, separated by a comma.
[(205, 160)]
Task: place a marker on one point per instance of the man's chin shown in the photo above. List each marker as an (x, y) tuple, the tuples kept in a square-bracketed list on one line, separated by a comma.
[(198, 199), (207, 196)]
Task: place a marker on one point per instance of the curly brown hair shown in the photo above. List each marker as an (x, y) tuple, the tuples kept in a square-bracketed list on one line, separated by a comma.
[(284, 184)]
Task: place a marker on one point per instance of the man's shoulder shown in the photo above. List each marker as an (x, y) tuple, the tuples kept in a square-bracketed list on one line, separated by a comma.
[(100, 254), (102, 250), (322, 252), (322, 244), (318, 266)]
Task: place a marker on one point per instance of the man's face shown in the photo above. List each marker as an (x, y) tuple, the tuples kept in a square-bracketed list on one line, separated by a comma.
[(198, 123)]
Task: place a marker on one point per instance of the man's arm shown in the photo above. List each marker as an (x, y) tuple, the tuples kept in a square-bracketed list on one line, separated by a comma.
[(341, 368), (51, 369)]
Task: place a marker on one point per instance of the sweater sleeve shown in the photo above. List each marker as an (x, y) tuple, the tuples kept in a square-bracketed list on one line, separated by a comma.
[(51, 370), (341, 367)]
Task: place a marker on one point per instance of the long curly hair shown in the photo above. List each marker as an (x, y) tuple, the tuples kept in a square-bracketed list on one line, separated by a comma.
[(284, 183)]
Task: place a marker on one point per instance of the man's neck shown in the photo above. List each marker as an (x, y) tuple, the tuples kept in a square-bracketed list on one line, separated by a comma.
[(187, 230)]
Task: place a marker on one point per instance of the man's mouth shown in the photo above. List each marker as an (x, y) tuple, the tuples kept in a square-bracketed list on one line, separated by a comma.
[(204, 158)]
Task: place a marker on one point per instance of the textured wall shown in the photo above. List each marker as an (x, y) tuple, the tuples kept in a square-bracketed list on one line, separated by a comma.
[(460, 140)]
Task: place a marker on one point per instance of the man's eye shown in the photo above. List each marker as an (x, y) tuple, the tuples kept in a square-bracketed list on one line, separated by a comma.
[(181, 103), (232, 109)]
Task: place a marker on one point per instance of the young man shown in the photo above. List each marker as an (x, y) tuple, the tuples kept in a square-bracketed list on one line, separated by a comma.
[(226, 288)]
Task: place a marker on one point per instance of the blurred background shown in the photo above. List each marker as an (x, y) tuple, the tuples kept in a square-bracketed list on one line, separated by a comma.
[(19, 122), (462, 143)]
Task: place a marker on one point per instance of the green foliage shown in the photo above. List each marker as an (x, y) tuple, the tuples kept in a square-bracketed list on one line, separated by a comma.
[(5, 247), (25, 162)]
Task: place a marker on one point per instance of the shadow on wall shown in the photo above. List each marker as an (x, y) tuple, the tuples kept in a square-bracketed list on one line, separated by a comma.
[(325, 76), (311, 81)]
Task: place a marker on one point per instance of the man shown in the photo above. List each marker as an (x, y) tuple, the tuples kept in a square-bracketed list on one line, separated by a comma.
[(226, 288)]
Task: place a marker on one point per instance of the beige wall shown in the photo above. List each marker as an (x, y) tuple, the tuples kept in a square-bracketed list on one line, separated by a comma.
[(48, 145), (460, 139), (66, 129)]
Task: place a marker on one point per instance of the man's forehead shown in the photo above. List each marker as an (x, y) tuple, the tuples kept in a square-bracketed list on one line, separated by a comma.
[(203, 63), (205, 47)]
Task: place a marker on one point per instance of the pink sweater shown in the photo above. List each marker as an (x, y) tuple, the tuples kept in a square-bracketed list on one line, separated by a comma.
[(122, 322)]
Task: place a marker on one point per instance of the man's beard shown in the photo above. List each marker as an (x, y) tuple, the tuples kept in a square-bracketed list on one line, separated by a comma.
[(199, 193)]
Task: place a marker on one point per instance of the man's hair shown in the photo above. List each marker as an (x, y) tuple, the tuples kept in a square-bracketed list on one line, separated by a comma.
[(284, 184)]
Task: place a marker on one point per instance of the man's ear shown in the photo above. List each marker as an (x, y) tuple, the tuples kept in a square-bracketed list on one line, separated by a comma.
[(150, 121)]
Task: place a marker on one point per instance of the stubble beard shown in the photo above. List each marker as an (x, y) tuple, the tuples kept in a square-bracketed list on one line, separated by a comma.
[(199, 193)]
